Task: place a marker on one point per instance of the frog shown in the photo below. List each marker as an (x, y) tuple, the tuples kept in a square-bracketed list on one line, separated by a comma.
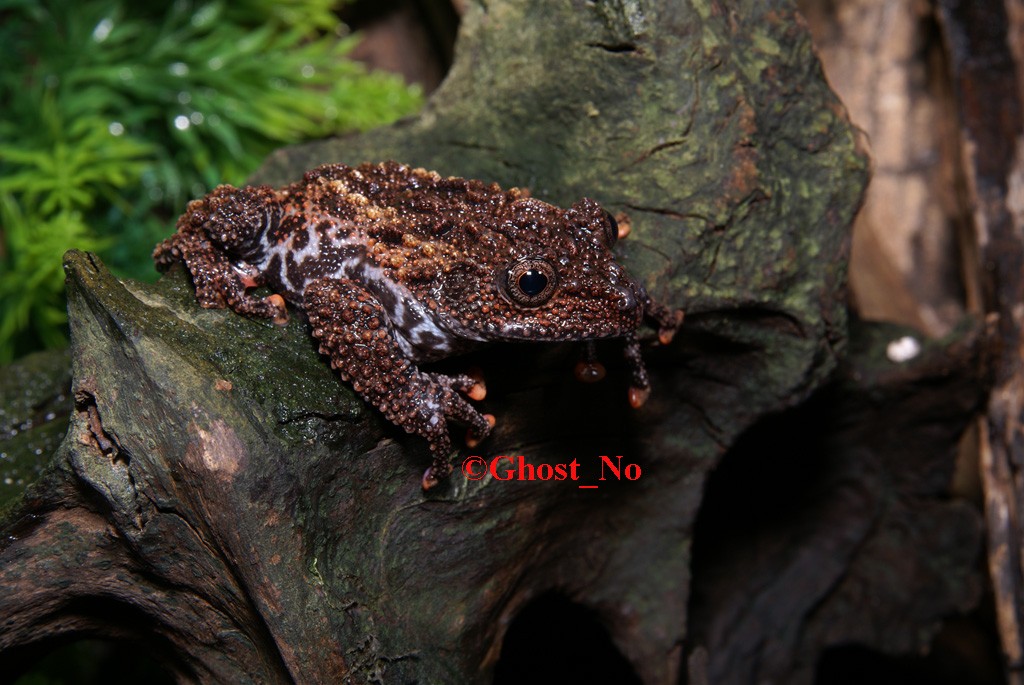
[(395, 267)]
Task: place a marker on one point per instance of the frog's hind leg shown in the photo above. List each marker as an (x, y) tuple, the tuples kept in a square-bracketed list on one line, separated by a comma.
[(352, 328), (668, 322)]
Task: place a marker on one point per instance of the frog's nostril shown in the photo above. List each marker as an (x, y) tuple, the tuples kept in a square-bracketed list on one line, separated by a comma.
[(626, 299)]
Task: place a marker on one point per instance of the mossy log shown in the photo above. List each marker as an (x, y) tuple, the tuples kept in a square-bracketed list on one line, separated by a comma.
[(222, 497)]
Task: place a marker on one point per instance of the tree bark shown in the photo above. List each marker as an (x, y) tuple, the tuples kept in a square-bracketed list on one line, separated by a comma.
[(986, 52)]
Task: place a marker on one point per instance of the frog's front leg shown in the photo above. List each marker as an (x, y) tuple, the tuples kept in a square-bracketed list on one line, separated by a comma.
[(668, 322), (639, 380), (353, 331)]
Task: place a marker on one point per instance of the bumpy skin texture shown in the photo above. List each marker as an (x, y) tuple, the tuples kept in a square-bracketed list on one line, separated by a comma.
[(395, 266)]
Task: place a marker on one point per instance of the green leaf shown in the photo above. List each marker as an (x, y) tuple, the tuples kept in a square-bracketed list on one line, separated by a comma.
[(117, 113)]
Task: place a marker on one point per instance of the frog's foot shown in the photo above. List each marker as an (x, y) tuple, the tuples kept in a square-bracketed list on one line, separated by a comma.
[(667, 320), (456, 407), (431, 421), (640, 381), (588, 369), (442, 465), (225, 217), (472, 386)]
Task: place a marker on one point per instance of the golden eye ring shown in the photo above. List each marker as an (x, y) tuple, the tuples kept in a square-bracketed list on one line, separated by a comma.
[(531, 281)]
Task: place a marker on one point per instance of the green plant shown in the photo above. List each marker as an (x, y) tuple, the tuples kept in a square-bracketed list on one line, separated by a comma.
[(115, 114)]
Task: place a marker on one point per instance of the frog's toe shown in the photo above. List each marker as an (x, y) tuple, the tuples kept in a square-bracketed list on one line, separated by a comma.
[(431, 478), (589, 371), (669, 326), (638, 396), (476, 433), (478, 390), (623, 225), (471, 385), (276, 303), (461, 411)]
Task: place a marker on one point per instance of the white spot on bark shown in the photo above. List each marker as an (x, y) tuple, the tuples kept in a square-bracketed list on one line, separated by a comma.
[(219, 449), (903, 349)]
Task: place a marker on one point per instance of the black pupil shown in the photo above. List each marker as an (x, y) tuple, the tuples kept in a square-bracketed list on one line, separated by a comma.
[(533, 282)]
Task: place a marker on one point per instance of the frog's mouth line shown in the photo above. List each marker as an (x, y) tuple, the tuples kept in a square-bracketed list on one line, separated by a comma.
[(530, 332)]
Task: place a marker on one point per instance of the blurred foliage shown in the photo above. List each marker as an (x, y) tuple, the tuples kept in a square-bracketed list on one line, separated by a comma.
[(115, 114)]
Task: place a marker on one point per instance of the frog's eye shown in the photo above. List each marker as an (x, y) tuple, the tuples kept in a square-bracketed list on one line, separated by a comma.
[(611, 229), (531, 281)]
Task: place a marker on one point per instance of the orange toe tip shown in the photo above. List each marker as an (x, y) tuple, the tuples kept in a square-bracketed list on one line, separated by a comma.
[(625, 227), (472, 439), (477, 392), (665, 337), (638, 396), (429, 479), (589, 372), (281, 318)]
